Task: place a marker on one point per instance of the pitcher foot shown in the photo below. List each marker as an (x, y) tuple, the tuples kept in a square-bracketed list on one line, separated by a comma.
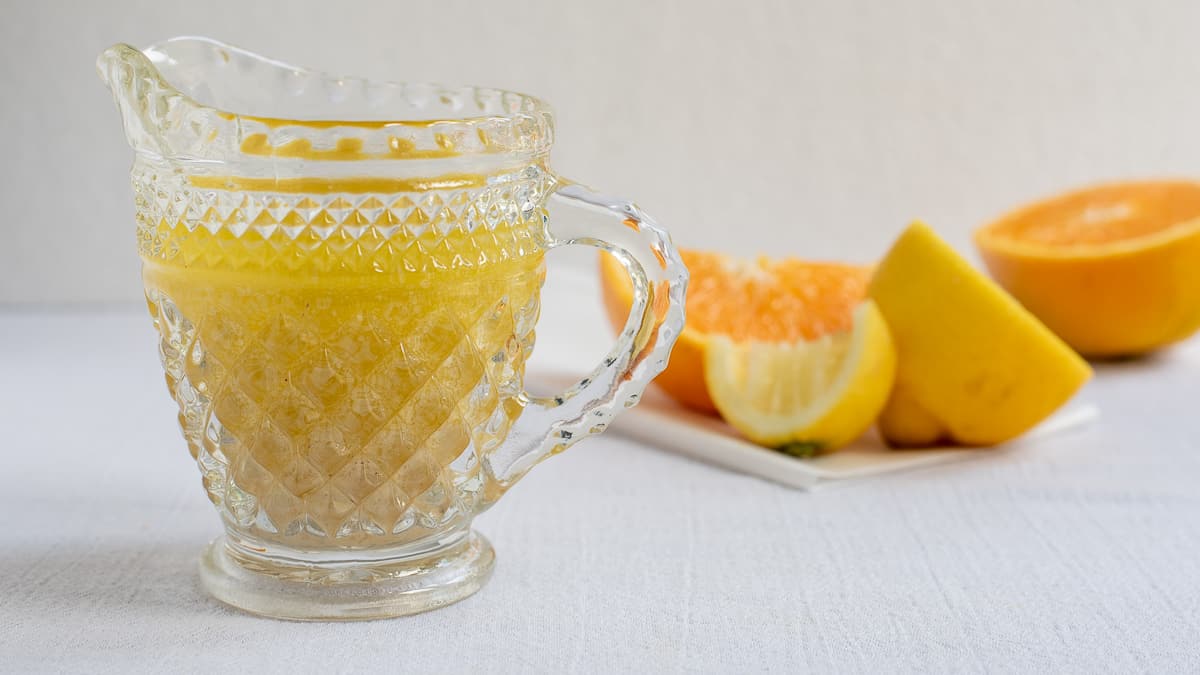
[(346, 590)]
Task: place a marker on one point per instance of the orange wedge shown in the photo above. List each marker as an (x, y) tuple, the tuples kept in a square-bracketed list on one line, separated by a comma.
[(1114, 269), (771, 301)]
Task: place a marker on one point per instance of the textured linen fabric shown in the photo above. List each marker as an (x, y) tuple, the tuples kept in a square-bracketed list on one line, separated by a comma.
[(1079, 556)]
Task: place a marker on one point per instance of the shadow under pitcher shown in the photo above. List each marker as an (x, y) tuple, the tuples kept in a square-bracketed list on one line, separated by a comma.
[(345, 277)]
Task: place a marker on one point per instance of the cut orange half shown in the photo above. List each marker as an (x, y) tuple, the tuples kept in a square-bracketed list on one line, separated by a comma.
[(1112, 269)]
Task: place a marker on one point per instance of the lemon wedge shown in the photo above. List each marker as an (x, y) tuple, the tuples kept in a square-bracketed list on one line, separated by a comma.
[(807, 396), (976, 368)]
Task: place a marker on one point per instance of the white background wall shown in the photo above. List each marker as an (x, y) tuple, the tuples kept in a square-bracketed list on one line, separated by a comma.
[(811, 127)]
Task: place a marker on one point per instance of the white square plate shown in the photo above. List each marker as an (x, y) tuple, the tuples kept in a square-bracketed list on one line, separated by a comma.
[(660, 422)]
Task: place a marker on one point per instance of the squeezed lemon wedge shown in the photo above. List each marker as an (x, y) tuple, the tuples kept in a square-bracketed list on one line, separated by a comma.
[(806, 396)]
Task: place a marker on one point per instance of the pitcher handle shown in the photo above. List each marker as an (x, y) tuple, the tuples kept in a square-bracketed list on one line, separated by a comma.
[(550, 425)]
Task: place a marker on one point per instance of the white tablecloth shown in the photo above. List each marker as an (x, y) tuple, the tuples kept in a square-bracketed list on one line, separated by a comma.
[(1080, 555)]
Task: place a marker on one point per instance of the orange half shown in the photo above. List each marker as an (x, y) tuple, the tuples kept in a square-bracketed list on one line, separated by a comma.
[(1113, 269)]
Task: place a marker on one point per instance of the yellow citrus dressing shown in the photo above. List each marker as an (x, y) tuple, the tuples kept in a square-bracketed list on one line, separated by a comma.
[(340, 377)]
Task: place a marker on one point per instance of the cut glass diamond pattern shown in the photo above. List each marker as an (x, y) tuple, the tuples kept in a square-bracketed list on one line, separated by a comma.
[(318, 408)]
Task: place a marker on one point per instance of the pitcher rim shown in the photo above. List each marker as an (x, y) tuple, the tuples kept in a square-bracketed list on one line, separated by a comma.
[(526, 126)]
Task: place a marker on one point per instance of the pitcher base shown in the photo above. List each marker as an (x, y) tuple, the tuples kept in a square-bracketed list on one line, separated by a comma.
[(344, 591)]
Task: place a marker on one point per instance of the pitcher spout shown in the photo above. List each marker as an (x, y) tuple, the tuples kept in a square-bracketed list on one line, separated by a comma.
[(143, 98)]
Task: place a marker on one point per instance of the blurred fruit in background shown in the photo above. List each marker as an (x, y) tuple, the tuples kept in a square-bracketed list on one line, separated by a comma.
[(974, 367), (804, 356), (1114, 269)]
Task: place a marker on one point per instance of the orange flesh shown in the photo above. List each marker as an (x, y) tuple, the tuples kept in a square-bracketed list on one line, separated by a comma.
[(1102, 215), (764, 300), (1114, 270), (771, 300)]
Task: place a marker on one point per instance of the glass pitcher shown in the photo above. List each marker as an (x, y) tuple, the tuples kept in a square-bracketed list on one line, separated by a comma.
[(345, 277)]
